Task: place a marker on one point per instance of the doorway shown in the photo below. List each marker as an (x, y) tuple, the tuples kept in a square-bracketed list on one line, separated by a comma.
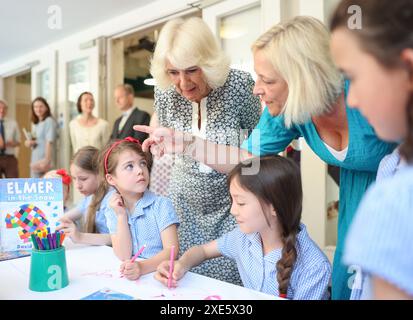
[(17, 91)]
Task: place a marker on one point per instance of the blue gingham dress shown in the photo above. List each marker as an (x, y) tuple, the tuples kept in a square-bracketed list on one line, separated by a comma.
[(309, 279), (380, 240), (152, 215)]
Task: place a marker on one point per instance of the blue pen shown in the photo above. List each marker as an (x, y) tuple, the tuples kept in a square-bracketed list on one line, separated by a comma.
[(45, 246)]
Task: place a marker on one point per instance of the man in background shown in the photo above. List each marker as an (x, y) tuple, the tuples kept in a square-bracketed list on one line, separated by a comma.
[(123, 127)]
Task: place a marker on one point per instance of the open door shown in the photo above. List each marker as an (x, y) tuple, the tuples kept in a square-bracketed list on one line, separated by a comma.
[(80, 69)]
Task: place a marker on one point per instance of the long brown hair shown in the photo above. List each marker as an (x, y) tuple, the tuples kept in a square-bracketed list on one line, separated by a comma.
[(386, 31), (35, 119), (86, 158), (278, 183)]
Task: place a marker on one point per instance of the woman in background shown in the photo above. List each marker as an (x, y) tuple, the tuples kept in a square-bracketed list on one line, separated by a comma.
[(44, 135)]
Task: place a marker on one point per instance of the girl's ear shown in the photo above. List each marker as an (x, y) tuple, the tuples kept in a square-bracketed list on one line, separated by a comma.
[(407, 58), (273, 212), (270, 210), (110, 180)]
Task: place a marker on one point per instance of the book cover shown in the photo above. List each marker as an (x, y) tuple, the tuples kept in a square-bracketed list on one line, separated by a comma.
[(27, 205), (108, 294)]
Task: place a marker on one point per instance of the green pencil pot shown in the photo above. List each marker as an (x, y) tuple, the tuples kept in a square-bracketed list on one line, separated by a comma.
[(48, 270)]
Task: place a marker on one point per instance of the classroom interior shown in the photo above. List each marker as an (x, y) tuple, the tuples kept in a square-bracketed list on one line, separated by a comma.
[(100, 44)]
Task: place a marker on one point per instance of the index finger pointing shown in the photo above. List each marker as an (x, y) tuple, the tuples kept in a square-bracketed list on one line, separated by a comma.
[(143, 128)]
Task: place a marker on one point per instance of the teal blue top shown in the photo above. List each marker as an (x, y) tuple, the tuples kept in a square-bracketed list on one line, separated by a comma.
[(357, 171)]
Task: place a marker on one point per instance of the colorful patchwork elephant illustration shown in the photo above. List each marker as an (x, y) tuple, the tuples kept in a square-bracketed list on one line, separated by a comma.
[(29, 218)]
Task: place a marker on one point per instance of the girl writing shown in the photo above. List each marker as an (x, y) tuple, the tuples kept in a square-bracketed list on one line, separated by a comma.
[(272, 249)]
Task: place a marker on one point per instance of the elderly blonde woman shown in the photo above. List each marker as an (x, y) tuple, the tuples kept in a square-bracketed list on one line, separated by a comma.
[(305, 96), (198, 93)]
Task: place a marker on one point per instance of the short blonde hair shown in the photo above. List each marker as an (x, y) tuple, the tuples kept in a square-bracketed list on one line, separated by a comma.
[(299, 51), (187, 43)]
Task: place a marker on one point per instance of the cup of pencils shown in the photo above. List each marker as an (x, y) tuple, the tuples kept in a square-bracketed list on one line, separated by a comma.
[(48, 269)]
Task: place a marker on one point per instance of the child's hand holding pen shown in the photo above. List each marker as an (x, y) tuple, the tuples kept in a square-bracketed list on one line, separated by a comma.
[(162, 273), (131, 270)]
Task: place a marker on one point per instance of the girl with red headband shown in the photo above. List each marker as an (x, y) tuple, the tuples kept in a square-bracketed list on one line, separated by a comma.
[(84, 169), (137, 217)]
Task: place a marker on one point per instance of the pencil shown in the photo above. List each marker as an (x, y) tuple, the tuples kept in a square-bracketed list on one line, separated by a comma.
[(171, 266)]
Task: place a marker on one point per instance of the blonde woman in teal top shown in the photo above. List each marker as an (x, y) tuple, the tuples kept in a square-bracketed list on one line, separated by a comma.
[(305, 96)]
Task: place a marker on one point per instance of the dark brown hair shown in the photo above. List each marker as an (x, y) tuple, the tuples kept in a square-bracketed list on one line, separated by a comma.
[(112, 162), (386, 30), (79, 100), (278, 183), (35, 119)]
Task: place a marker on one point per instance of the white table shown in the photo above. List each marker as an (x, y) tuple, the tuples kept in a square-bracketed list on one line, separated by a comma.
[(92, 268)]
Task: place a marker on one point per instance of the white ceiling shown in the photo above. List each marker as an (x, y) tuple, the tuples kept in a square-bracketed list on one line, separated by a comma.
[(24, 23)]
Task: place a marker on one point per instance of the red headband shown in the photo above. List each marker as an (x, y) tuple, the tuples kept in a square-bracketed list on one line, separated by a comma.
[(66, 179), (130, 139)]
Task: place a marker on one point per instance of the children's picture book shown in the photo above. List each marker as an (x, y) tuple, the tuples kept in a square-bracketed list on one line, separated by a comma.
[(27, 205), (108, 294)]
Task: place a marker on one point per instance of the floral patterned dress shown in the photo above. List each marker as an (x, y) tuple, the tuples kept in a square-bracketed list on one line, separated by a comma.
[(199, 193)]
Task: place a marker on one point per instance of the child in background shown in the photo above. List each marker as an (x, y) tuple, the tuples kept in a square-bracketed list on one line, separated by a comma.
[(272, 249), (379, 59), (66, 180), (85, 173), (138, 216)]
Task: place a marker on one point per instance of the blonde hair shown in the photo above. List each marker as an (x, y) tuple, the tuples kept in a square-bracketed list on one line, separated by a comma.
[(87, 158), (187, 43), (299, 51)]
